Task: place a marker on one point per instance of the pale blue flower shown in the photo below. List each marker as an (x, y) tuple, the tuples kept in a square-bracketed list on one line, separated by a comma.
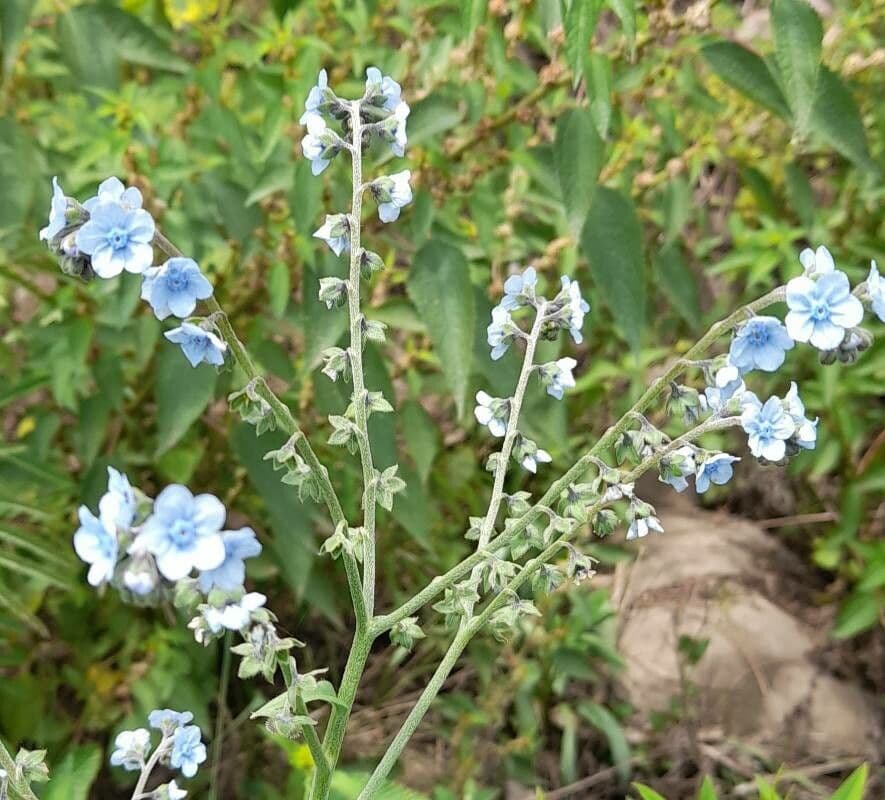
[(715, 468), (393, 129), (95, 541), (822, 310), (805, 435), (131, 749), (876, 291), (167, 720), (574, 308), (117, 238), (392, 193), (760, 343), (520, 289), (382, 90), (640, 527), (58, 207), (169, 791), (727, 384), (501, 332), (112, 190), (175, 287), (317, 99), (676, 466), (140, 576), (183, 532), (557, 376), (188, 752), (238, 546), (320, 144), (125, 500), (768, 427), (335, 232), (531, 460), (232, 616), (816, 262), (492, 412), (198, 344)]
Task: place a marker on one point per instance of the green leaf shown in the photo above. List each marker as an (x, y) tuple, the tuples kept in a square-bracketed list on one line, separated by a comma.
[(647, 793), (33, 569), (439, 286), (182, 393), (853, 787), (707, 791), (73, 776), (578, 154), (836, 119), (323, 692), (279, 287), (598, 76), (743, 70), (800, 194), (626, 12), (600, 717), (421, 436), (612, 242), (347, 785), (860, 612), (579, 23), (472, 14), (798, 34), (79, 31), (137, 43), (14, 16), (10, 599), (766, 791)]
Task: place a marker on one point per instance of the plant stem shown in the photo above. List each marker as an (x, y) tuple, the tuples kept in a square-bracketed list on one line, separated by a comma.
[(356, 358), (220, 713), (152, 762), (286, 422), (655, 390), (471, 628), (528, 362)]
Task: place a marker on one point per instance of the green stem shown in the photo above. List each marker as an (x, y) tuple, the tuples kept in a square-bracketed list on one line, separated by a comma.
[(311, 738), (286, 422), (655, 390), (220, 714), (356, 358)]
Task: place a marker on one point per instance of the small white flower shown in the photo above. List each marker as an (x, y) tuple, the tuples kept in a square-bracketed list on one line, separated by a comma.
[(492, 412), (876, 291), (816, 262), (131, 749)]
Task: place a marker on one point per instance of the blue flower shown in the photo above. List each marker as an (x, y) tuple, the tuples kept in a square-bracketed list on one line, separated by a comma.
[(126, 503), (140, 575), (557, 376), (520, 289), (95, 541), (821, 310), (392, 193), (58, 208), (531, 460), (640, 527), (317, 99), (238, 546), (805, 435), (382, 90), (233, 616), (183, 532), (716, 468), (320, 144), (167, 720), (188, 752), (117, 238), (573, 307), (175, 287), (816, 262), (335, 232), (676, 466), (728, 384), (197, 344), (768, 427), (112, 190), (131, 749), (169, 791), (876, 291), (393, 129), (760, 343), (493, 412), (501, 332)]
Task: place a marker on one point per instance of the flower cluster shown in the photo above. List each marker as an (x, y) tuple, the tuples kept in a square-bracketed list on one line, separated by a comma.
[(111, 233), (147, 548), (180, 748)]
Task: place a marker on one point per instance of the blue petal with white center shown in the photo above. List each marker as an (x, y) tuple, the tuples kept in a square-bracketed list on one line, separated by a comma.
[(716, 468), (198, 344), (822, 310), (117, 239), (760, 343), (231, 573), (58, 207), (768, 427), (175, 287)]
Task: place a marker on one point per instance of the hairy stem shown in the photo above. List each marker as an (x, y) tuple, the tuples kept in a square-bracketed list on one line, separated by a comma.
[(473, 626), (356, 359), (148, 768), (654, 391)]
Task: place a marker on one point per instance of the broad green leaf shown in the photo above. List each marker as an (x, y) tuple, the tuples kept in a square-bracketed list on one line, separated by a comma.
[(439, 286), (17, 168), (612, 242), (678, 282), (647, 793), (798, 34), (578, 154), (73, 776), (137, 43), (323, 692), (472, 14), (347, 785), (182, 393), (14, 16), (836, 119), (600, 717), (766, 791), (580, 23), (421, 436), (743, 70), (859, 612), (79, 31), (800, 194), (598, 76), (853, 787), (626, 12), (272, 707), (10, 599), (279, 287)]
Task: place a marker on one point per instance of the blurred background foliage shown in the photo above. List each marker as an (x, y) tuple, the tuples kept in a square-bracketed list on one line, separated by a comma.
[(654, 151)]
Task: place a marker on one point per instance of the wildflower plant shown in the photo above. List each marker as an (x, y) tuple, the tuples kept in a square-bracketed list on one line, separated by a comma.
[(178, 548)]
